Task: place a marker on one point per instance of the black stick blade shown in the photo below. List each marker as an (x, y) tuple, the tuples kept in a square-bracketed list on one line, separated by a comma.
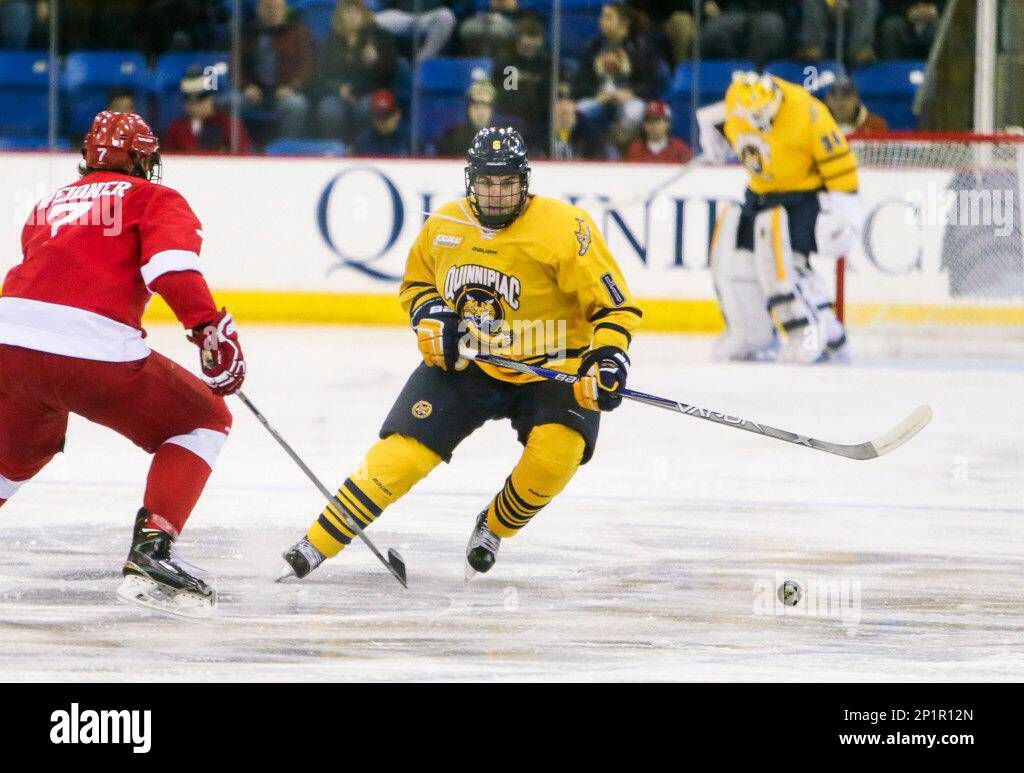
[(397, 566)]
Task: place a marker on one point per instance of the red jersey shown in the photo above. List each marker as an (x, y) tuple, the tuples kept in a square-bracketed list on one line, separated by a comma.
[(92, 251), (214, 136), (675, 152)]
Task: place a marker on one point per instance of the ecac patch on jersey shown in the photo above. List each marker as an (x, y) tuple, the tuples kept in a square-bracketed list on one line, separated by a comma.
[(447, 240), (613, 290)]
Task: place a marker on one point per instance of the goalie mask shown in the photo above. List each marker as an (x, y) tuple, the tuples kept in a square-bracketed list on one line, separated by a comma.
[(755, 98), (499, 155)]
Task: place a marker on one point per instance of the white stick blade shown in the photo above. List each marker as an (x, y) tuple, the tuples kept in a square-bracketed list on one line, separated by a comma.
[(903, 431)]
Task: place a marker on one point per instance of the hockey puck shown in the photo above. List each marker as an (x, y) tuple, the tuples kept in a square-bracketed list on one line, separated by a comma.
[(790, 593)]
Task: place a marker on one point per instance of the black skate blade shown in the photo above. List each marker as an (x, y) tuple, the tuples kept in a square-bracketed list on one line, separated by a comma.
[(397, 566)]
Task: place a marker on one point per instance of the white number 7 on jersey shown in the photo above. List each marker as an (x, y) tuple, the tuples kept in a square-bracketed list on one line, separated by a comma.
[(71, 212)]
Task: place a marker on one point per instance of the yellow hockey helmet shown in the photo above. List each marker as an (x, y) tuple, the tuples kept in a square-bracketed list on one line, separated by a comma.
[(755, 98)]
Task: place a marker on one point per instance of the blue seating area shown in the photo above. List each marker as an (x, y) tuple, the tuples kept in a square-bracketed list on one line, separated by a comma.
[(288, 147), (888, 88), (443, 84), (24, 92)]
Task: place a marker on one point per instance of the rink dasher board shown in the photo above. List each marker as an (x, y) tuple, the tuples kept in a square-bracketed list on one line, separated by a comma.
[(326, 239)]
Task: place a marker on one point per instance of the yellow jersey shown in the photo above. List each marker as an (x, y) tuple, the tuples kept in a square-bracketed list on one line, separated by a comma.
[(548, 280), (804, 150)]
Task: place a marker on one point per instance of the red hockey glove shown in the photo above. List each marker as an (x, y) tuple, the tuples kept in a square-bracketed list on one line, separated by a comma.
[(220, 354)]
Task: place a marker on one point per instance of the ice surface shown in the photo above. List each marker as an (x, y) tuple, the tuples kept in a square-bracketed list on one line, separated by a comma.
[(657, 562)]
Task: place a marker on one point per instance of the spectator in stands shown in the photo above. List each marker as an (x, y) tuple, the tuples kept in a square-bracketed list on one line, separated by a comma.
[(908, 29), (572, 141), (278, 65), (744, 29), (491, 32), (819, 17), (387, 135), (121, 100), (672, 23), (432, 27), (15, 23), (358, 58), (850, 113), (618, 73), (523, 82), (479, 113), (203, 128), (657, 144)]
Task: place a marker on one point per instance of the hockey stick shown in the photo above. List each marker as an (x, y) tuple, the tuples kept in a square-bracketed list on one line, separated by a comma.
[(871, 449), (394, 561)]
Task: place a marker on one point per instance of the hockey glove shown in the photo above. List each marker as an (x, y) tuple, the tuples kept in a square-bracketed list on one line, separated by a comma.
[(220, 354), (603, 371), (438, 335)]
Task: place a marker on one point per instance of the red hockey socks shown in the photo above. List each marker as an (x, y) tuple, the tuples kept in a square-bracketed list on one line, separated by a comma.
[(176, 479)]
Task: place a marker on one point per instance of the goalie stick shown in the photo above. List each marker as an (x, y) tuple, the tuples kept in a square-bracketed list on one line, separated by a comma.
[(870, 449), (394, 561)]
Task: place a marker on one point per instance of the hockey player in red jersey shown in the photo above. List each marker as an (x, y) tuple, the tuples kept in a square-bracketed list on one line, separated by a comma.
[(71, 341)]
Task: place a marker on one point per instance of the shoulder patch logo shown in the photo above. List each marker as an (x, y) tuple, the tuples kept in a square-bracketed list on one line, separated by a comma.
[(447, 240), (613, 290), (583, 235), (422, 409)]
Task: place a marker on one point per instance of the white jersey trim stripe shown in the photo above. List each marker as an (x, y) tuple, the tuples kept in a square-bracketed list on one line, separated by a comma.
[(167, 261), (204, 443), (8, 487), (69, 331)]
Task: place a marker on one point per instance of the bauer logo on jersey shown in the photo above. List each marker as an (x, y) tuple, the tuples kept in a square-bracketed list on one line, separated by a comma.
[(583, 235), (447, 240), (613, 290), (422, 409)]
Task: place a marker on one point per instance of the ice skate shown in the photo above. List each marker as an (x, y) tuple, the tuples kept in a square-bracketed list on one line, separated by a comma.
[(157, 580), (482, 550), (299, 560)]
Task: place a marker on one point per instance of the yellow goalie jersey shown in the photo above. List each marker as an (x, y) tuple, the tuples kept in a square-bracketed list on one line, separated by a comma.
[(546, 285), (803, 150)]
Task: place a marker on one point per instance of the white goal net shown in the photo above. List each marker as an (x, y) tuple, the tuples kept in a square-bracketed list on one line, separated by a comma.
[(942, 255)]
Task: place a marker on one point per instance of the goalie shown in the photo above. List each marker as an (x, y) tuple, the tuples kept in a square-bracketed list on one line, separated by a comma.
[(802, 199)]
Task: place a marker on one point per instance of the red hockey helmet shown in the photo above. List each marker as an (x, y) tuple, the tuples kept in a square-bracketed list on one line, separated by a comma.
[(122, 142)]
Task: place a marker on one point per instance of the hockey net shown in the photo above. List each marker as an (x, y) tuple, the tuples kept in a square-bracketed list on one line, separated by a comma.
[(942, 256)]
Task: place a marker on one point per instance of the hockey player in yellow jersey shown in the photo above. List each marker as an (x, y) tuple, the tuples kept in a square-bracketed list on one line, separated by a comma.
[(502, 271), (802, 198)]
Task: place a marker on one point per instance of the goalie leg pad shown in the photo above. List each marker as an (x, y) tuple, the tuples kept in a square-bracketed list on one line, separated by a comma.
[(749, 329), (776, 271), (816, 292)]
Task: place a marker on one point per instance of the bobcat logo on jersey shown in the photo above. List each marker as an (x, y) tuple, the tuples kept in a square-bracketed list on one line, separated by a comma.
[(480, 307), (583, 236), (754, 153), (481, 296)]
